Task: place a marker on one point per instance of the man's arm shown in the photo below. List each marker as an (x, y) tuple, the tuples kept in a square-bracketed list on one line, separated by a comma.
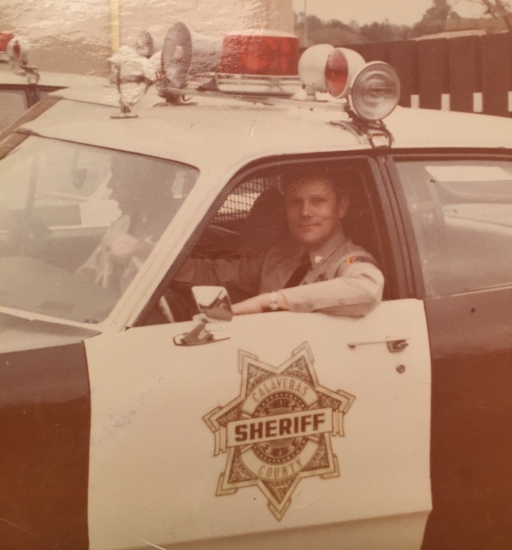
[(259, 304), (355, 293)]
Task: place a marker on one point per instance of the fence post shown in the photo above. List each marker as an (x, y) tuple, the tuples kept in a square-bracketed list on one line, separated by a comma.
[(403, 56), (463, 72), (372, 51), (432, 61), (495, 73)]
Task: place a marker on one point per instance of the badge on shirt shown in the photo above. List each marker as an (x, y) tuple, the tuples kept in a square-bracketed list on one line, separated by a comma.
[(278, 430)]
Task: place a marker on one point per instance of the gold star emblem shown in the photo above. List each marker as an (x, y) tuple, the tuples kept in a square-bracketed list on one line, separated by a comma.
[(278, 430)]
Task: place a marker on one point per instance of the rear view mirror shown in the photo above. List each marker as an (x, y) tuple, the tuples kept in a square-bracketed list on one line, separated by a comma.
[(213, 303)]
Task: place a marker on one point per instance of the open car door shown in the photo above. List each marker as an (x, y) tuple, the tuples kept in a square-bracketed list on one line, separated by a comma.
[(303, 422)]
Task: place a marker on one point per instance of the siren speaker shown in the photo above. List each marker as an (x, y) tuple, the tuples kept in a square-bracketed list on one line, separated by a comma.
[(187, 54)]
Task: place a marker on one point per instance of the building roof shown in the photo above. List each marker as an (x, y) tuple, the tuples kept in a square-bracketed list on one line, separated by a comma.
[(453, 34)]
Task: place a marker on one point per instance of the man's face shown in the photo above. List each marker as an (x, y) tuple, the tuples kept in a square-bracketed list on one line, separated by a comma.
[(122, 192), (314, 211)]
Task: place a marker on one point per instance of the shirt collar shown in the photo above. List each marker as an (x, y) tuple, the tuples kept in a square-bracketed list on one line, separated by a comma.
[(333, 244)]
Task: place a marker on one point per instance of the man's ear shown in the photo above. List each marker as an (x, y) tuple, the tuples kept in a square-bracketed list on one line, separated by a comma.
[(343, 206)]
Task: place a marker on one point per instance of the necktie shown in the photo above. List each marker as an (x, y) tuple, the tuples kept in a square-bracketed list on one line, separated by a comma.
[(299, 274)]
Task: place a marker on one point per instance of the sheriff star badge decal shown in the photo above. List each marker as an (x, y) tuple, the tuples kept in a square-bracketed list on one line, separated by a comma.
[(278, 430)]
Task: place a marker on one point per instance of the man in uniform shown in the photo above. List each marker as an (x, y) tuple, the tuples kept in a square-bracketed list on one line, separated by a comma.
[(316, 268)]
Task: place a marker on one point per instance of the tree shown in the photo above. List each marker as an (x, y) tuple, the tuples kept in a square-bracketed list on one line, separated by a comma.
[(434, 19), (320, 32), (384, 32), (338, 33), (498, 9)]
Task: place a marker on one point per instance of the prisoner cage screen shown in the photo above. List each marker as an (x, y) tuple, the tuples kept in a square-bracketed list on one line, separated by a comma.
[(238, 204)]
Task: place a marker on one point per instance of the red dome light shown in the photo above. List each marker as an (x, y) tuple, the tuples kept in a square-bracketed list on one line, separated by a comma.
[(266, 53), (4, 40), (336, 72)]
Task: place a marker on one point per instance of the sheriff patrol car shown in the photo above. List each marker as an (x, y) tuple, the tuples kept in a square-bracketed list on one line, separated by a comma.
[(130, 419)]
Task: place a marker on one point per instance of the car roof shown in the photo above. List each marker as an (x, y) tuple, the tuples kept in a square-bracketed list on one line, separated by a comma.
[(225, 132), (207, 132)]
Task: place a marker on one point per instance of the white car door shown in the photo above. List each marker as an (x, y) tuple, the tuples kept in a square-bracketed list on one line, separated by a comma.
[(294, 421)]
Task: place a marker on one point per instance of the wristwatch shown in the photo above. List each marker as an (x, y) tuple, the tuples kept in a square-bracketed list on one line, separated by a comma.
[(273, 305)]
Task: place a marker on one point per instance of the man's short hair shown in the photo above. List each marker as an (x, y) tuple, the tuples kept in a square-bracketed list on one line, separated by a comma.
[(299, 173)]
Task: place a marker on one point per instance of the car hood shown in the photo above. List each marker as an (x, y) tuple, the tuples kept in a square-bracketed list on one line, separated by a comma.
[(18, 334)]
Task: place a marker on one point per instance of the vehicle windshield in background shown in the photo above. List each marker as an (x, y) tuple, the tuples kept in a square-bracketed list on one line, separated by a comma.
[(77, 222)]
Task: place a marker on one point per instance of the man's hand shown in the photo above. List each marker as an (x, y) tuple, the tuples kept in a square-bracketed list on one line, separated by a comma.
[(259, 304), (124, 245)]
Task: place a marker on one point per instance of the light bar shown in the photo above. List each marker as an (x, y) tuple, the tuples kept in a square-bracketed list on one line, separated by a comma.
[(342, 64), (259, 62), (323, 68), (373, 88), (5, 37), (187, 54), (312, 67), (261, 53), (375, 91)]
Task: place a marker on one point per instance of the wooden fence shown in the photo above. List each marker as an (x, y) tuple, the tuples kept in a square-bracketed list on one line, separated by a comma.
[(470, 73)]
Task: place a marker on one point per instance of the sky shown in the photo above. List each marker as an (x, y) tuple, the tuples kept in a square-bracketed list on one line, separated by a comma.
[(367, 11)]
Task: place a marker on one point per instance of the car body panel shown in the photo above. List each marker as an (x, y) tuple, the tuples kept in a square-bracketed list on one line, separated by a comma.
[(44, 436)]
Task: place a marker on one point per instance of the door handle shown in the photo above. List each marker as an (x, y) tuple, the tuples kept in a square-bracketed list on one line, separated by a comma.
[(395, 345)]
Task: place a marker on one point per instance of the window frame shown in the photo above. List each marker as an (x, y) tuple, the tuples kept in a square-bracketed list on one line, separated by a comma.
[(17, 136)]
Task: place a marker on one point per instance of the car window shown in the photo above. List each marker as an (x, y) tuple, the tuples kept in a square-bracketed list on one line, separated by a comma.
[(248, 223), (461, 213), (253, 212), (77, 223)]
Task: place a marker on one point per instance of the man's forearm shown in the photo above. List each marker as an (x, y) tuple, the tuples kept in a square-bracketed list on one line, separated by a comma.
[(354, 294), (259, 304)]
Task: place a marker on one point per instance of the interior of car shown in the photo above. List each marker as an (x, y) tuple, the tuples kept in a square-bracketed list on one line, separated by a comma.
[(251, 220)]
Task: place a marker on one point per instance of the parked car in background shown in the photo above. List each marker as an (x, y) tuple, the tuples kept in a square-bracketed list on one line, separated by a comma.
[(18, 94)]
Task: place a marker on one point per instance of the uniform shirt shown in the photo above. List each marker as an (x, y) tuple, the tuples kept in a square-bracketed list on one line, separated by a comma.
[(343, 279)]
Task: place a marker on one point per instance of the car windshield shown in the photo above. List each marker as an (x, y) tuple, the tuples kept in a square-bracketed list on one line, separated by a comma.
[(77, 222)]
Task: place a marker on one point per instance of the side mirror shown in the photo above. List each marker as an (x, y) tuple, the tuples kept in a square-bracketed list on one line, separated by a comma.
[(214, 307), (213, 303)]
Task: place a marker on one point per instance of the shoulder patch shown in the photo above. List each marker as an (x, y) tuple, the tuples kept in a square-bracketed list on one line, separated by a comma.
[(358, 259)]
